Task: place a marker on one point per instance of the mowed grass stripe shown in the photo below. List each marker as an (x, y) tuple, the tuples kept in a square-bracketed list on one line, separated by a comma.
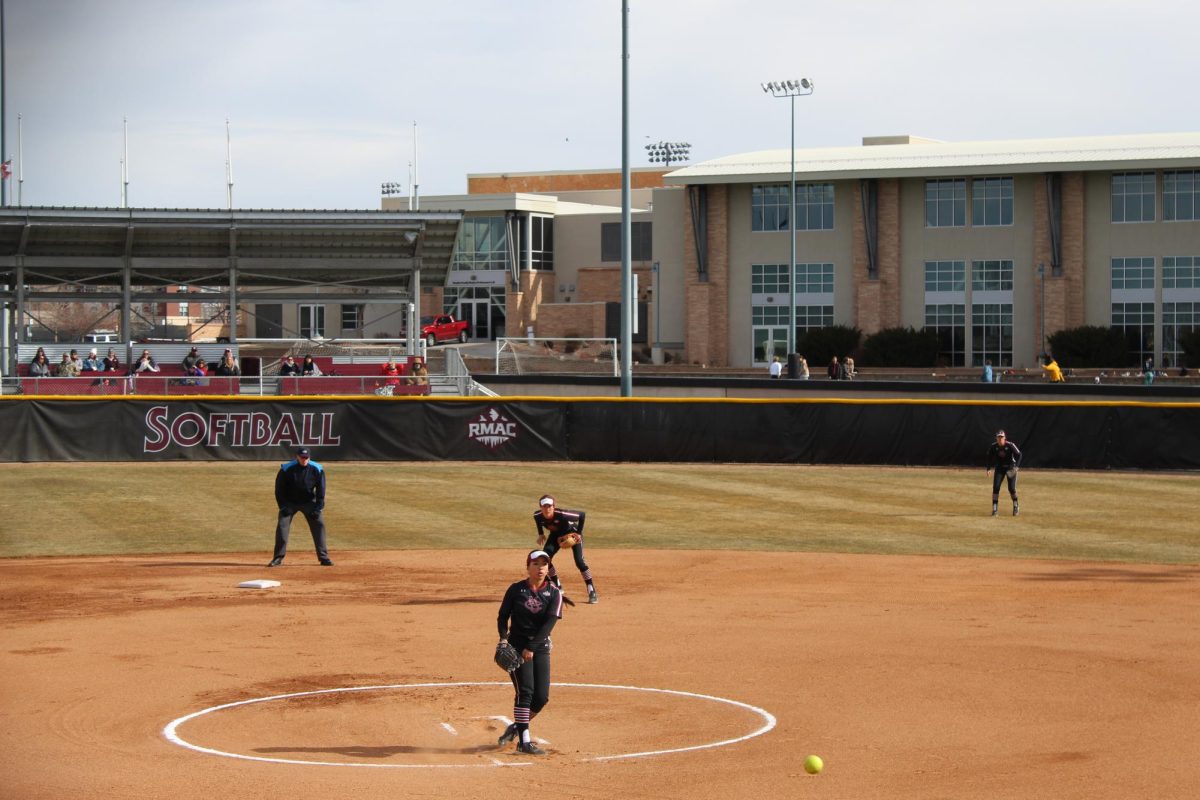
[(119, 508)]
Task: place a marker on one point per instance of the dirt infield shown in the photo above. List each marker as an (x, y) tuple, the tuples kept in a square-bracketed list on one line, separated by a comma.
[(912, 677)]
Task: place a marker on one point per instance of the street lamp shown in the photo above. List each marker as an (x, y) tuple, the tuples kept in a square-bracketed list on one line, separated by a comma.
[(666, 152), (791, 89), (1041, 271)]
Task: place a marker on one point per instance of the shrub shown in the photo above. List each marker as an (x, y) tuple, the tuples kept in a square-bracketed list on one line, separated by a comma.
[(1090, 346), (820, 345), (1190, 344), (901, 347)]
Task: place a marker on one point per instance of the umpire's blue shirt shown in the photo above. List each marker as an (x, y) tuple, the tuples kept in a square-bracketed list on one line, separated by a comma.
[(298, 484)]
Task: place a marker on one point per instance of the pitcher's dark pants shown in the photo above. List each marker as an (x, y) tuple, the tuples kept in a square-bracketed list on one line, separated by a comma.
[(316, 526)]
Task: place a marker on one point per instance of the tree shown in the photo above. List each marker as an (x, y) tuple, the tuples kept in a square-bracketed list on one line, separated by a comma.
[(1090, 346), (820, 345)]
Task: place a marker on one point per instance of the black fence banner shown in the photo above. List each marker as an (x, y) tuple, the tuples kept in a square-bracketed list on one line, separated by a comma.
[(1075, 435)]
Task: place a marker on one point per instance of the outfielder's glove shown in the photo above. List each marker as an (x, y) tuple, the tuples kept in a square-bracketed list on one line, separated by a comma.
[(568, 540), (507, 657), (1011, 472)]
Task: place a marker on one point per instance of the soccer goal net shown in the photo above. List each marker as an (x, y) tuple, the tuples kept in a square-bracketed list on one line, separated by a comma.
[(574, 356)]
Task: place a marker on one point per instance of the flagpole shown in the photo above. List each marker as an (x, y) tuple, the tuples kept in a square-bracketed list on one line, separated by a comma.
[(20, 161), (416, 182), (125, 166), (228, 167), (3, 103)]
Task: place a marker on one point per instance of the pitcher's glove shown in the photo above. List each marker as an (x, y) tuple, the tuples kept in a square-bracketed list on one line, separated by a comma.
[(568, 540), (507, 657)]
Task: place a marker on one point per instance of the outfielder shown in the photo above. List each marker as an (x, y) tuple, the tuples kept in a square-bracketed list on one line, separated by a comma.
[(559, 528), (1005, 457), (528, 613)]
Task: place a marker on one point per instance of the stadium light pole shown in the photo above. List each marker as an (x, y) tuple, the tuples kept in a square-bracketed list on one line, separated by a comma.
[(668, 152), (389, 188), (791, 89)]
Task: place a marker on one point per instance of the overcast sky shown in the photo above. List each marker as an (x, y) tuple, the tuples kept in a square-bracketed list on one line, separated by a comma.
[(322, 96)]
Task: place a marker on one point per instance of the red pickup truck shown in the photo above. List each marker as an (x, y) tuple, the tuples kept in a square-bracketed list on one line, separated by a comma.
[(443, 328)]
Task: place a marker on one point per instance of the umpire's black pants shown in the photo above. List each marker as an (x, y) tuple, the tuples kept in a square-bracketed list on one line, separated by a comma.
[(316, 526)]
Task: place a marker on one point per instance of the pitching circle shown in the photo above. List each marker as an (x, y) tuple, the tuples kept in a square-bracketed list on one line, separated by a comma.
[(171, 731)]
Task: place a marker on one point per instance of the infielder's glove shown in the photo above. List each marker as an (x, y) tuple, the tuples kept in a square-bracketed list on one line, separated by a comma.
[(568, 540), (507, 657)]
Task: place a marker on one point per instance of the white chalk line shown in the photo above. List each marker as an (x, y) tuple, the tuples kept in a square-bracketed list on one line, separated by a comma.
[(170, 731)]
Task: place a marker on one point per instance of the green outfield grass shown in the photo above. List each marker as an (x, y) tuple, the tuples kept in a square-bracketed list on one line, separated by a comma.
[(117, 509)]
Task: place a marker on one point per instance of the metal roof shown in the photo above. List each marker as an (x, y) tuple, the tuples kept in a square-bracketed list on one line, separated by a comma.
[(271, 247), (933, 159)]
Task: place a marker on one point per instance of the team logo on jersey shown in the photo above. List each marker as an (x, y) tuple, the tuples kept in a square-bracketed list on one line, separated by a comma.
[(533, 604), (491, 429)]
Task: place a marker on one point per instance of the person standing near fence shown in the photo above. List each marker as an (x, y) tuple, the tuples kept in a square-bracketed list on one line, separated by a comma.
[(300, 487)]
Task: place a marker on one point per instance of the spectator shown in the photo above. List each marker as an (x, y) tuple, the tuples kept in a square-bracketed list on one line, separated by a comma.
[(392, 372), (1148, 372), (288, 367), (39, 367), (420, 375), (1052, 370), (189, 361), (77, 361), (848, 365), (834, 369), (112, 363), (67, 368), (228, 366), (804, 373), (93, 362), (145, 363), (986, 377), (309, 368), (775, 369), (41, 351)]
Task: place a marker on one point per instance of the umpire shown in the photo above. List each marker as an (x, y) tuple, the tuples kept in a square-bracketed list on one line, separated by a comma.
[(300, 486)]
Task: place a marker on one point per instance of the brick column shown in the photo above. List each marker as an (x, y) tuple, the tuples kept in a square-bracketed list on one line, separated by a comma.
[(877, 302), (1069, 295), (521, 306), (707, 312)]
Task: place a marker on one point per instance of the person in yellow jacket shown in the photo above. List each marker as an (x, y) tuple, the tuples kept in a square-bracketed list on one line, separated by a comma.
[(1052, 370)]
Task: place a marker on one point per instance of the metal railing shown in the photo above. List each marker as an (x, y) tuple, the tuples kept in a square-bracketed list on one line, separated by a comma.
[(103, 384)]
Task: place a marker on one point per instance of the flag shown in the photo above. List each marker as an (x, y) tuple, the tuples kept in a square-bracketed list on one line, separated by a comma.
[(6, 170)]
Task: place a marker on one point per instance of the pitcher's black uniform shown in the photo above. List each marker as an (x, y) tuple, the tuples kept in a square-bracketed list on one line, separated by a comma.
[(563, 522), (526, 617), (1004, 457), (300, 486)]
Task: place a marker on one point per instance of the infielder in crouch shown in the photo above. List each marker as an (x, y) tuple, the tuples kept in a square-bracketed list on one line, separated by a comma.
[(528, 613), (558, 528), (1005, 457)]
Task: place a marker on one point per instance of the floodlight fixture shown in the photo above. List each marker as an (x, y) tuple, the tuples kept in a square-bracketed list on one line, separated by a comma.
[(667, 153), (389, 188)]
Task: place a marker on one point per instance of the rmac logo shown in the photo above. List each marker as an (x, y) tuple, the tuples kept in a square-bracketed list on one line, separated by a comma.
[(491, 429)]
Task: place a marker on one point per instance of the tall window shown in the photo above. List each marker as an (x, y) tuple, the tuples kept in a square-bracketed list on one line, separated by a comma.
[(814, 278), (814, 206), (352, 317), (945, 276), (948, 321), (992, 276), (1178, 319), (946, 203), (808, 317), (542, 254), (992, 201), (1181, 272), (991, 334), (1181, 195), (1133, 197), (641, 241), (769, 207), (1133, 273), (769, 279), (1136, 321), (482, 244), (312, 322)]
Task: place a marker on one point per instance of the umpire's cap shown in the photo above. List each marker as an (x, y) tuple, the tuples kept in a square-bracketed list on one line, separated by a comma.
[(303, 451), (536, 554)]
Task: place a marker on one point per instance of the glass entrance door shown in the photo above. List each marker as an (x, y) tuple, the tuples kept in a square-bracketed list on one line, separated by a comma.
[(476, 314), (769, 341)]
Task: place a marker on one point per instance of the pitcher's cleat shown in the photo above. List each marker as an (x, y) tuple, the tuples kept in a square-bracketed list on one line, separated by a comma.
[(530, 749), (509, 734)]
